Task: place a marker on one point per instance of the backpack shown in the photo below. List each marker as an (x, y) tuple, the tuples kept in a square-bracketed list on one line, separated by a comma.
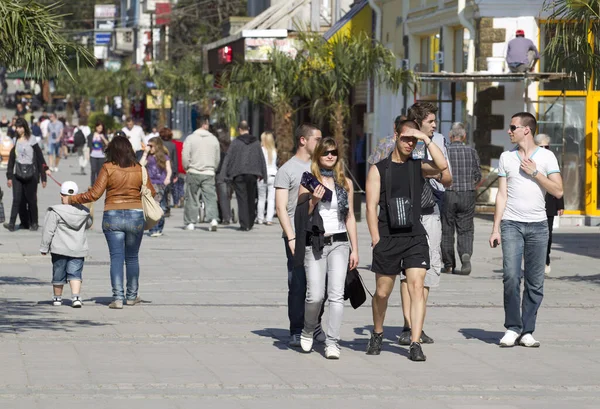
[(79, 138)]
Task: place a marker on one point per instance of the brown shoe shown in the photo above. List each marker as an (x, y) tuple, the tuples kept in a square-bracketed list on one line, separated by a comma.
[(116, 305), (135, 301)]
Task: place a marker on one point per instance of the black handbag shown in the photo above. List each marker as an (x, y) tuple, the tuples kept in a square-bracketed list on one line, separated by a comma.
[(427, 197), (399, 209), (24, 172), (354, 289)]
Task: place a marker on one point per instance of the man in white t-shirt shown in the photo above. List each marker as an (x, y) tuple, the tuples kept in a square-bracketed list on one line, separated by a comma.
[(136, 135), (525, 173)]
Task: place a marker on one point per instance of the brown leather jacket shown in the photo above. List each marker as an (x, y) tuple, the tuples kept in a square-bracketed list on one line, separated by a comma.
[(122, 187)]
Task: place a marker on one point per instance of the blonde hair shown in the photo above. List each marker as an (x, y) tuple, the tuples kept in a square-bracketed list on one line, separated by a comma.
[(339, 176), (268, 142), (160, 152)]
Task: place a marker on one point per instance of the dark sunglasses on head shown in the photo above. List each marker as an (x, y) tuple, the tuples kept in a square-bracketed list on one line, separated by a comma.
[(332, 152)]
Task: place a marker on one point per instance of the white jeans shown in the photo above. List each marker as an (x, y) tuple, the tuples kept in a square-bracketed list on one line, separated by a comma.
[(266, 192), (326, 270)]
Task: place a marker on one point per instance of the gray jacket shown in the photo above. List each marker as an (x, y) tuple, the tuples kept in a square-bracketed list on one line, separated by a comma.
[(201, 153), (64, 230), (245, 157)]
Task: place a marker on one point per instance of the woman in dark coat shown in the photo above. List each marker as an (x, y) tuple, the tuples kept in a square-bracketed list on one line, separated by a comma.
[(26, 167)]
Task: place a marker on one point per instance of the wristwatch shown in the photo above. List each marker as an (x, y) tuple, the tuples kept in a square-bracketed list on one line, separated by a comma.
[(535, 173)]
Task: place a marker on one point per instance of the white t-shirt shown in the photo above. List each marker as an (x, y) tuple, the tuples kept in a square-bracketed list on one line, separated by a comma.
[(44, 128), (136, 136), (272, 166), (329, 214), (526, 198)]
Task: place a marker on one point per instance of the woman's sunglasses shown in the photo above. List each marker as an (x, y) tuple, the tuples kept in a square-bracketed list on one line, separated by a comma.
[(332, 152), (545, 146)]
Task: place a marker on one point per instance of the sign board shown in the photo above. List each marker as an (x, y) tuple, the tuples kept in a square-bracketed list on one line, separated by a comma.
[(259, 49), (105, 12), (149, 6), (102, 38), (112, 65), (124, 40), (163, 14), (101, 52), (157, 99)]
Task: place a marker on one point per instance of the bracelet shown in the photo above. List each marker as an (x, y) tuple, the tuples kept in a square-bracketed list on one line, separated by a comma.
[(289, 240), (427, 144)]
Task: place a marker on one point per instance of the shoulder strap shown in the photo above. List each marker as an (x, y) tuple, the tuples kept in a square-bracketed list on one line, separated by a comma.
[(413, 188), (388, 179), (144, 177)]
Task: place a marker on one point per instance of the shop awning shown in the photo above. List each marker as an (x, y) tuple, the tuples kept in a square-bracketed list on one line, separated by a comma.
[(358, 19)]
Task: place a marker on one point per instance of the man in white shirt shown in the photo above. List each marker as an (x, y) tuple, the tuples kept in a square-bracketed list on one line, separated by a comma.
[(525, 173), (136, 135)]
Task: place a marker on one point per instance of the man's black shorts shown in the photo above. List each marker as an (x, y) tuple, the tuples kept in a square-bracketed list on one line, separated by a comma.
[(393, 254)]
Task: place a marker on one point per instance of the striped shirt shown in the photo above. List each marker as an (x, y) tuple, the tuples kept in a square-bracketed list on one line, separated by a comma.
[(464, 162)]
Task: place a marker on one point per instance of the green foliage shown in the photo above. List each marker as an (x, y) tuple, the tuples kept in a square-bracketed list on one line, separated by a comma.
[(108, 121), (30, 38), (569, 48)]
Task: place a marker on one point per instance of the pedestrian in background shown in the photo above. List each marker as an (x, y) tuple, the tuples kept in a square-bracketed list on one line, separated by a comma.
[(26, 166), (97, 143), (201, 157), (136, 135), (158, 164), (554, 207), (223, 186), (459, 202), (266, 188), (123, 221), (245, 165), (167, 137), (64, 237)]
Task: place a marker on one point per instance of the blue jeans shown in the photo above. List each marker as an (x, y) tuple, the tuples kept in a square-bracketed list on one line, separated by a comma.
[(124, 230), (520, 241), (296, 292), (65, 269), (161, 198)]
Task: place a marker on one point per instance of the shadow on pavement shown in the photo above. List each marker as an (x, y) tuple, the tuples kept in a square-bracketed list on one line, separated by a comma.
[(581, 244), (390, 337), (21, 281), (279, 335), (594, 279), (17, 316), (489, 337)]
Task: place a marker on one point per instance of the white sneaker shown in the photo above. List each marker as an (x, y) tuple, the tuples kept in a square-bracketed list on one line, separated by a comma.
[(156, 234), (294, 341), (547, 271), (76, 303), (509, 339), (56, 301), (213, 225), (306, 341), (332, 352), (527, 340), (190, 226)]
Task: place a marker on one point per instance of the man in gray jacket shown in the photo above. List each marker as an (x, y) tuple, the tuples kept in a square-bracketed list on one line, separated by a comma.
[(200, 158), (244, 165), (64, 238)]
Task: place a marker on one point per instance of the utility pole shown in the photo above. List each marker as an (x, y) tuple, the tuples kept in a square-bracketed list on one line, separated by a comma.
[(337, 11), (315, 15)]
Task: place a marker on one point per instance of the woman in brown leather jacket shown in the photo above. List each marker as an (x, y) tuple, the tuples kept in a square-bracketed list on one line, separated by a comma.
[(123, 222)]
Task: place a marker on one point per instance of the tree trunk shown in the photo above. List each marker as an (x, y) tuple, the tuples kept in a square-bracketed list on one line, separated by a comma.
[(337, 122), (284, 132)]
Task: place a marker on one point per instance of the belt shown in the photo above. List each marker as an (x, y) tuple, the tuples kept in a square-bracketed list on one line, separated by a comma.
[(428, 210), (329, 240)]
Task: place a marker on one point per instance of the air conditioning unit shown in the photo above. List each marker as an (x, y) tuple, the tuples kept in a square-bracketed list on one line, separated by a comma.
[(123, 40)]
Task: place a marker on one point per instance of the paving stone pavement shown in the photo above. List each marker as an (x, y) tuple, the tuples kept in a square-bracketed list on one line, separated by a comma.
[(212, 330)]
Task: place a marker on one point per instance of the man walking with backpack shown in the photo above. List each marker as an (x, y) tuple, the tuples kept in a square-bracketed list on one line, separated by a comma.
[(80, 144)]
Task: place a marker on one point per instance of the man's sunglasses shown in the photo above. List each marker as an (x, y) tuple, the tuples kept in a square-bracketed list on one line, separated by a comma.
[(514, 127), (332, 152), (545, 146)]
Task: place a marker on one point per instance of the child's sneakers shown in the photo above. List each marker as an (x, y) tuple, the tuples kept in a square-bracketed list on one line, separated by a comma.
[(57, 301), (76, 303)]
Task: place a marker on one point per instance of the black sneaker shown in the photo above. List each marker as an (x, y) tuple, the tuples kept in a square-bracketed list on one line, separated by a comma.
[(404, 338), (374, 346), (466, 265), (34, 227), (416, 353), (9, 227), (425, 339)]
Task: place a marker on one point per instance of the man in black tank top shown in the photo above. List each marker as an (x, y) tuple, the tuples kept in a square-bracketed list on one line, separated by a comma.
[(397, 249)]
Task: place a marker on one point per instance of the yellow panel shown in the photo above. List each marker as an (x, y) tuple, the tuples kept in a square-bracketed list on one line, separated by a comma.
[(361, 23), (591, 160)]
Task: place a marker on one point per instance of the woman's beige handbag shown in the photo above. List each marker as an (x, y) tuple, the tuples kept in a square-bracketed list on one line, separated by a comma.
[(152, 210)]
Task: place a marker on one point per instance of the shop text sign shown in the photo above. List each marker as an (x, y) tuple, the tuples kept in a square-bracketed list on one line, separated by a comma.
[(259, 49)]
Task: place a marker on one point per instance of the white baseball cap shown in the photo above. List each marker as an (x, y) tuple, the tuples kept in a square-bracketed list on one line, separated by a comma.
[(69, 188)]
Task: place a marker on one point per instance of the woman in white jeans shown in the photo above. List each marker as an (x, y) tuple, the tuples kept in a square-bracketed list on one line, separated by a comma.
[(266, 188), (326, 269)]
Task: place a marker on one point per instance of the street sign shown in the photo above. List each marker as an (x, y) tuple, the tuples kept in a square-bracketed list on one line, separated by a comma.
[(102, 38)]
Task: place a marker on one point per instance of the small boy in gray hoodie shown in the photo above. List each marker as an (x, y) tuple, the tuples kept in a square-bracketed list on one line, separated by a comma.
[(64, 238)]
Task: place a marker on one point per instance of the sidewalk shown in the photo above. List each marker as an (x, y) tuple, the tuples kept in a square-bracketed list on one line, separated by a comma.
[(212, 330)]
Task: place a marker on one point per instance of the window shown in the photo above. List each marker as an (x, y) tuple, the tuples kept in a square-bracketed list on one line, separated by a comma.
[(430, 45)]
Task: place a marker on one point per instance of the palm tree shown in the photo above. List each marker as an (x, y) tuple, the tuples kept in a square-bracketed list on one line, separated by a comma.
[(30, 39), (277, 85), (337, 66), (573, 22)]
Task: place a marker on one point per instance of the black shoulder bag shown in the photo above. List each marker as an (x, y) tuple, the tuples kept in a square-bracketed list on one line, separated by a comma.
[(25, 172), (400, 209)]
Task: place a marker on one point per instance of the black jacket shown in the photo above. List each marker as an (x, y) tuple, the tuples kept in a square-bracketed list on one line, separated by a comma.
[(245, 157), (553, 205), (39, 161), (170, 145), (309, 229)]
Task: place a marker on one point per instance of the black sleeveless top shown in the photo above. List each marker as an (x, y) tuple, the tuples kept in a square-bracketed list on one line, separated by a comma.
[(401, 187)]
